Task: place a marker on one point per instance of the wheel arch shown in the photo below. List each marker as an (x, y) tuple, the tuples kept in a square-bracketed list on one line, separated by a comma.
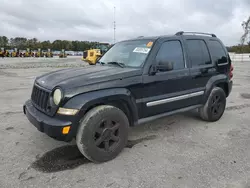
[(118, 97), (216, 81), (224, 86)]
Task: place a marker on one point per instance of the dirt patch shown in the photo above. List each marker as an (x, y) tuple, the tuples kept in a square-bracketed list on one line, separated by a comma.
[(19, 88), (236, 84), (237, 107), (132, 143), (11, 113), (245, 95), (59, 159), (9, 74), (23, 177), (69, 157), (9, 128)]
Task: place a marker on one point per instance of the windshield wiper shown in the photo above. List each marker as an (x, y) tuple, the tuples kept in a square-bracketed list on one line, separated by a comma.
[(116, 63), (99, 62)]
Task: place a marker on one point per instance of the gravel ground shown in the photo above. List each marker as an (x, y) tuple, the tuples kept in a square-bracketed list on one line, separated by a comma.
[(177, 151)]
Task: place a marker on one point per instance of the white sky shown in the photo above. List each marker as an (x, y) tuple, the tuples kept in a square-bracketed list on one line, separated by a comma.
[(93, 20)]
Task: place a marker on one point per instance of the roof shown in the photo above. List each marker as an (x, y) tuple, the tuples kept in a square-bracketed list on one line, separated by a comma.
[(149, 37), (180, 33)]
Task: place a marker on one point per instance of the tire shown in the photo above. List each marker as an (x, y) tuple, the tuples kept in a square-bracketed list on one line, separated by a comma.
[(215, 106), (94, 135)]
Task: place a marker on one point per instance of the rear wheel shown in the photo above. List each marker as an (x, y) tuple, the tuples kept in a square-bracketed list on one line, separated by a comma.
[(215, 105), (102, 133)]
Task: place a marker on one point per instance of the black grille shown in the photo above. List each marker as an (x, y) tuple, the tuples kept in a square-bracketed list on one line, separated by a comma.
[(40, 97)]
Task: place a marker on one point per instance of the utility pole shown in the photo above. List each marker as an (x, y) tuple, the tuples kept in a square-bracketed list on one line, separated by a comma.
[(114, 25)]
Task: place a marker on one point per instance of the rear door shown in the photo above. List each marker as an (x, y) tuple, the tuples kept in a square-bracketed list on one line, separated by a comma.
[(200, 62)]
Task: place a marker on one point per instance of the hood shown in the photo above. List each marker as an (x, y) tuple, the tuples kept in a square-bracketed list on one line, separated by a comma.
[(81, 76)]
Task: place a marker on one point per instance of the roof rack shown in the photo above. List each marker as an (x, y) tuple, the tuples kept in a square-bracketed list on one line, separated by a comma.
[(199, 33)]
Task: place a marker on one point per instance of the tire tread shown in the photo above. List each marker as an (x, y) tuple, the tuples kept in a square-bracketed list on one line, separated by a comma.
[(203, 111), (85, 124)]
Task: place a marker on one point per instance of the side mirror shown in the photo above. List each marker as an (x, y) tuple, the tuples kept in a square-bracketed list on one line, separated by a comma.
[(165, 66)]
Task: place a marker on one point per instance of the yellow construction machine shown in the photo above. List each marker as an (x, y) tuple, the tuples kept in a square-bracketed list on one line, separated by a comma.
[(15, 53), (48, 53), (62, 54), (39, 53), (92, 55), (2, 52), (27, 53)]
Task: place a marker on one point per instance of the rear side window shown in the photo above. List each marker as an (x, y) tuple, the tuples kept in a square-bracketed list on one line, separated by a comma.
[(172, 51), (198, 52), (217, 51)]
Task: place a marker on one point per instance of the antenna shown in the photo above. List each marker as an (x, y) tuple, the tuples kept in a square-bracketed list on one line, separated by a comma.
[(114, 25)]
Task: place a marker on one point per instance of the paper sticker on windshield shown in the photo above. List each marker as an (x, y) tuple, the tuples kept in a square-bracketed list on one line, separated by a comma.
[(150, 44), (141, 50)]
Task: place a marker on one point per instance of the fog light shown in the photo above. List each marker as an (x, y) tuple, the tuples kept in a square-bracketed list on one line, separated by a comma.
[(67, 111), (66, 130)]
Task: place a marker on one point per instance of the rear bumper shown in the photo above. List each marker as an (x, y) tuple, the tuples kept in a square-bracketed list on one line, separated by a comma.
[(46, 124)]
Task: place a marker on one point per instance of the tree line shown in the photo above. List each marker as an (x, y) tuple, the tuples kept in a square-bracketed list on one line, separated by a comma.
[(33, 44), (239, 48), (24, 43)]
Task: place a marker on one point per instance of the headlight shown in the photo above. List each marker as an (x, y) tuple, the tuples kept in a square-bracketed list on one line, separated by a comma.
[(57, 96)]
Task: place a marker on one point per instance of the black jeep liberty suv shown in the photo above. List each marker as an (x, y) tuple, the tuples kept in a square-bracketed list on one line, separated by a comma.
[(135, 81)]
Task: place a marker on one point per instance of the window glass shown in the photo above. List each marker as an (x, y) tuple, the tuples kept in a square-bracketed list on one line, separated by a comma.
[(171, 51), (205, 52), (130, 53), (198, 52), (217, 51)]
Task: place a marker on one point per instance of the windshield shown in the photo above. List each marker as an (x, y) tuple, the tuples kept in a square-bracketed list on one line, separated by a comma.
[(128, 53)]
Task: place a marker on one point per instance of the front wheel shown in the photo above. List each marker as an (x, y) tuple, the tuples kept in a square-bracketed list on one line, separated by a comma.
[(103, 133), (215, 105)]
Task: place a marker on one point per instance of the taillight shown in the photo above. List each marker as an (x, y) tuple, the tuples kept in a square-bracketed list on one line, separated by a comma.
[(231, 72)]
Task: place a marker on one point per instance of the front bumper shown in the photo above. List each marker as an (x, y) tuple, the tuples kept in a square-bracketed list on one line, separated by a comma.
[(46, 124)]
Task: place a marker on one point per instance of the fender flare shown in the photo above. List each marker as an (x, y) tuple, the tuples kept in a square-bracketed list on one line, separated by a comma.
[(85, 101), (212, 82)]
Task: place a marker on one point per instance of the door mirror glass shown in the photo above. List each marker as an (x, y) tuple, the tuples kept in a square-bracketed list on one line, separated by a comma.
[(165, 66)]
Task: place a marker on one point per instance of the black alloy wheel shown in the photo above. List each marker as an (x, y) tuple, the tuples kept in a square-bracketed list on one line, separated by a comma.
[(102, 133), (107, 135), (215, 105)]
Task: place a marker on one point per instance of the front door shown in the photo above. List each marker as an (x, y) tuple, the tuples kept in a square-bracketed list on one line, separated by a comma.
[(170, 90)]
